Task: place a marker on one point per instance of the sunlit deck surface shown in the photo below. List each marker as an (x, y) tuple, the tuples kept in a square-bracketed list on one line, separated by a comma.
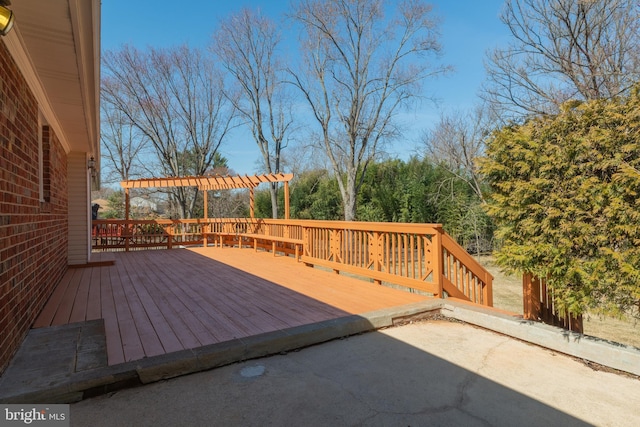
[(157, 302)]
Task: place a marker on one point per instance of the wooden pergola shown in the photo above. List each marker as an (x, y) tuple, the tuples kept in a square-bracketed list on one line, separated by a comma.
[(208, 183)]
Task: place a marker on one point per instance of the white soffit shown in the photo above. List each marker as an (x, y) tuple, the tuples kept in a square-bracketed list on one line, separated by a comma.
[(61, 40)]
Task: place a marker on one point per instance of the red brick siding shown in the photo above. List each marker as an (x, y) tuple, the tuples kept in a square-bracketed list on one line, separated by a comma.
[(33, 234)]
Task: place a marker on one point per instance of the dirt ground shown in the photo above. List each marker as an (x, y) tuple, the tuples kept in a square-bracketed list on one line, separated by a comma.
[(507, 295)]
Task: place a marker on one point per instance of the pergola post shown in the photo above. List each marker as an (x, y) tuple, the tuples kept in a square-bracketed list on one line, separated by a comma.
[(126, 204), (286, 200), (252, 209), (205, 226), (126, 217)]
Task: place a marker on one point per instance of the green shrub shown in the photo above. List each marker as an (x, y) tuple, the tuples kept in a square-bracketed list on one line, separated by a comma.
[(565, 199)]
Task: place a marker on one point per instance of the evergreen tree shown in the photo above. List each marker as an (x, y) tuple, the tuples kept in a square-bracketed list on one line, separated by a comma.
[(566, 202)]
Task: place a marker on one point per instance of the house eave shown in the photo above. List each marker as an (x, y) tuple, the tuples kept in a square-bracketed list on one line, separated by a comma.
[(57, 47)]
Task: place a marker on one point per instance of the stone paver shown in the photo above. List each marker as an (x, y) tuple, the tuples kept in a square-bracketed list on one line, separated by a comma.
[(49, 357)]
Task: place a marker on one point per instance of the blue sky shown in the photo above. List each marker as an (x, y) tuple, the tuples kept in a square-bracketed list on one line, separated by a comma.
[(468, 28)]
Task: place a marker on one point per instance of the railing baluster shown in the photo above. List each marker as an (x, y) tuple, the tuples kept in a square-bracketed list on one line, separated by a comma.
[(412, 254)]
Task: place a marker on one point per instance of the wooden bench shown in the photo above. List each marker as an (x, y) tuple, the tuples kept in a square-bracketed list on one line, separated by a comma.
[(297, 244), (220, 236)]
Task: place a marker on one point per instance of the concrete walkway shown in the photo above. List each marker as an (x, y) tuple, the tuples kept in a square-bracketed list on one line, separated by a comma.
[(436, 373)]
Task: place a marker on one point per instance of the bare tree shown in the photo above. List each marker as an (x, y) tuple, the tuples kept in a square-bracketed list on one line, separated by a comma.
[(175, 98), (458, 140), (361, 67), (247, 45), (564, 49), (121, 144)]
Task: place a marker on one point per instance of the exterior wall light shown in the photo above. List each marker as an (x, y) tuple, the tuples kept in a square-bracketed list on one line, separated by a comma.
[(6, 18), (91, 164)]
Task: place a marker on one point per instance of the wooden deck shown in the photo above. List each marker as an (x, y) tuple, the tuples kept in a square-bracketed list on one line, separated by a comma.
[(156, 302)]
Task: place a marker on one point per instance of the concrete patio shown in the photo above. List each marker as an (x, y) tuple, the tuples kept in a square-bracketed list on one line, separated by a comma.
[(434, 373)]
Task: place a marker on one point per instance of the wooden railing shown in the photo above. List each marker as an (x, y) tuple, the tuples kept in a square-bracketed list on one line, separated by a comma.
[(538, 305), (145, 234), (417, 256)]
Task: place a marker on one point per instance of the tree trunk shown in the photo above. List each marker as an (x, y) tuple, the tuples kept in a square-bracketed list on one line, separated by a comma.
[(273, 189), (349, 198)]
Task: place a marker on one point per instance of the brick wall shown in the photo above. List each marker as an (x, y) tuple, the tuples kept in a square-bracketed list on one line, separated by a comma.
[(33, 219)]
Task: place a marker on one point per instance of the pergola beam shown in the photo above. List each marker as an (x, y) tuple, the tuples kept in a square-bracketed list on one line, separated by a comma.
[(207, 183)]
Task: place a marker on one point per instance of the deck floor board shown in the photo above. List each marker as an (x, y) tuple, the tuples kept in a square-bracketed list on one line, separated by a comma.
[(79, 310), (157, 302), (93, 303), (130, 330), (49, 311), (138, 303), (176, 314), (63, 310), (108, 312)]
